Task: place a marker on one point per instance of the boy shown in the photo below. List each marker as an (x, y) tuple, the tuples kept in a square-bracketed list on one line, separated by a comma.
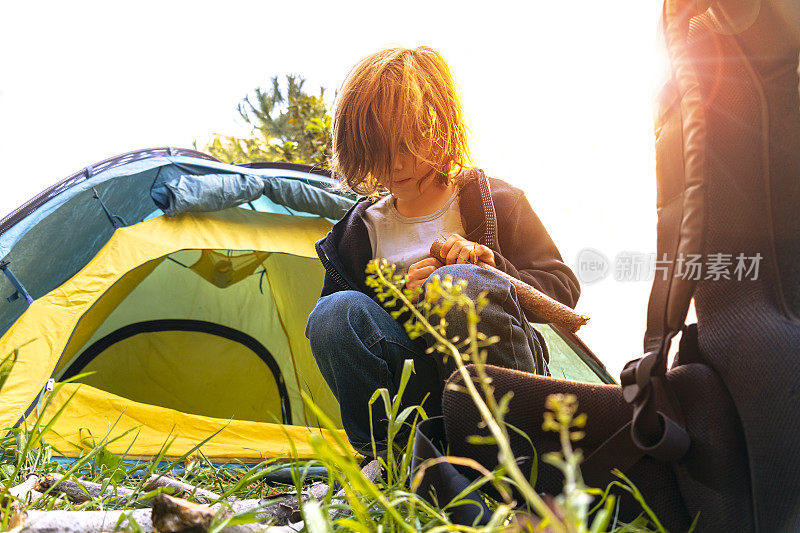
[(399, 138)]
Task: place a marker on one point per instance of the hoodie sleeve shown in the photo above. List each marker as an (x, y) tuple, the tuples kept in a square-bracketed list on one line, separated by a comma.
[(529, 254)]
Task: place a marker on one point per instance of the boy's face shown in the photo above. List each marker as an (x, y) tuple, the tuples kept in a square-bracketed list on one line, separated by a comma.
[(411, 178)]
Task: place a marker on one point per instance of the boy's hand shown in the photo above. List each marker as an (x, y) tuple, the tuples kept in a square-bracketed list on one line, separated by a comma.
[(457, 249), (419, 272)]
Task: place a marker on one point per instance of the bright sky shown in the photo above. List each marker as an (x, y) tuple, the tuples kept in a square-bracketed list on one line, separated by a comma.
[(558, 97)]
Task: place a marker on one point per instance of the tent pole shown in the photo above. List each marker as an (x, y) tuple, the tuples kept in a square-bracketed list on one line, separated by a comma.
[(15, 282), (111, 218)]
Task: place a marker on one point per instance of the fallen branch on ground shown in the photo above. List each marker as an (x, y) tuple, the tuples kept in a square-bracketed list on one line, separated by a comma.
[(181, 489), (175, 514), (168, 513), (79, 491), (79, 521), (25, 489)]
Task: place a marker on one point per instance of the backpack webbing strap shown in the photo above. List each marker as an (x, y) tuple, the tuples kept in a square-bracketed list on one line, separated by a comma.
[(657, 424), (656, 429), (681, 167)]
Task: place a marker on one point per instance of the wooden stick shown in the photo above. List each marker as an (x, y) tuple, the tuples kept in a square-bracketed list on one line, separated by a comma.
[(79, 491), (531, 299), (371, 471), (169, 514), (25, 489), (181, 489), (79, 521), (175, 514), (179, 513), (172, 515)]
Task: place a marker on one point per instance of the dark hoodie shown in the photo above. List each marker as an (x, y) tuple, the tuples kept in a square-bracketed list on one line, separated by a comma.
[(493, 213)]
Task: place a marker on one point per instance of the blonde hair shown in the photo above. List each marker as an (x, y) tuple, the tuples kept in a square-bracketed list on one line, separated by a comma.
[(398, 99)]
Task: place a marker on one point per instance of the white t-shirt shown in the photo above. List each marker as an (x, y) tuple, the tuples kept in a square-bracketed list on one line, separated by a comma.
[(405, 240)]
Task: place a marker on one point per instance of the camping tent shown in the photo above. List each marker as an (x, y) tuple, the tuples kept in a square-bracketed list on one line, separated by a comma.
[(190, 325)]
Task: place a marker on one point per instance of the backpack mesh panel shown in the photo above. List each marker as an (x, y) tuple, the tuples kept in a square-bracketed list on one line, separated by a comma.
[(743, 329)]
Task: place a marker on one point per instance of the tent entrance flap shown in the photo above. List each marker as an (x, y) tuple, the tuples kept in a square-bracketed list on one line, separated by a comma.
[(183, 337), (192, 366), (202, 355)]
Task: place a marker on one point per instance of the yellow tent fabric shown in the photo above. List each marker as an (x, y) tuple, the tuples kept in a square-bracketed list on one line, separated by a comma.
[(112, 289), (94, 416)]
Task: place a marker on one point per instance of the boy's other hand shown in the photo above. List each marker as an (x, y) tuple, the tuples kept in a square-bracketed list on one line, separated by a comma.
[(457, 249), (419, 272)]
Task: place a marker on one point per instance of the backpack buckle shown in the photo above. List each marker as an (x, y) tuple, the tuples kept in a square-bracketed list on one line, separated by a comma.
[(635, 377)]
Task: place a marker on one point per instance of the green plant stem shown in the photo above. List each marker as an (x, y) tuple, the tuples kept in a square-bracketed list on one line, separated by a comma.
[(506, 456), (570, 481)]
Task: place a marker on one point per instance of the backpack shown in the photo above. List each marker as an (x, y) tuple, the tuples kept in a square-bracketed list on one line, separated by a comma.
[(712, 437)]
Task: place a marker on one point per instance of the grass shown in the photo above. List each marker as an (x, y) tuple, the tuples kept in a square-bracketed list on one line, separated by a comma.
[(388, 505)]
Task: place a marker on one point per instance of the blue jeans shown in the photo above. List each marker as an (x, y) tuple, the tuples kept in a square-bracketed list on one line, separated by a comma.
[(359, 348)]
